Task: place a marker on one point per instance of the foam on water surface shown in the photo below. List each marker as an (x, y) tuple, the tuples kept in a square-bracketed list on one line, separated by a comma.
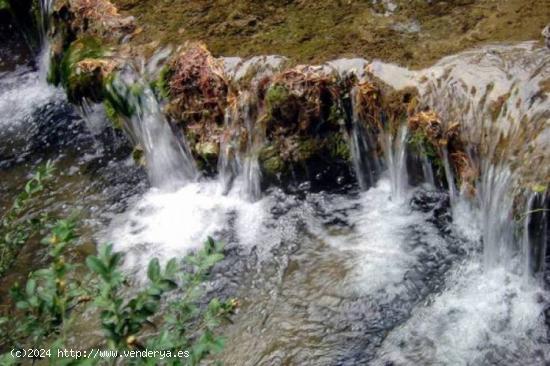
[(482, 317)]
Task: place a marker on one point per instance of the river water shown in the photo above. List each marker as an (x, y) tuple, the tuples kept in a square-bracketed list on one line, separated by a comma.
[(390, 275)]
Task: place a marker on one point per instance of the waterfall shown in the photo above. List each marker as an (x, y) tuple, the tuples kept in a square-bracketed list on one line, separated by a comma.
[(427, 170), (395, 153), (251, 170), (449, 176), (169, 163), (228, 160), (44, 57), (363, 149), (46, 7), (93, 115), (496, 203), (238, 164), (169, 160)]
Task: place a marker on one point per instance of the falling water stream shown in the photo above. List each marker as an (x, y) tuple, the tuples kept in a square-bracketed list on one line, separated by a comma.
[(381, 273)]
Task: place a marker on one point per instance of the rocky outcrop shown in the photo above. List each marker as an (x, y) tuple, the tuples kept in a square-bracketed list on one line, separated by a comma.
[(82, 35), (296, 122), (305, 123), (197, 89)]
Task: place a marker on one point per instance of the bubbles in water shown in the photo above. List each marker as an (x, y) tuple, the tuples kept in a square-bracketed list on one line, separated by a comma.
[(482, 318), (167, 224), (21, 93)]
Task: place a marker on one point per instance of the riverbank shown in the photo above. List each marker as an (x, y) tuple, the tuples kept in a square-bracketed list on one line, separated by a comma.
[(414, 34)]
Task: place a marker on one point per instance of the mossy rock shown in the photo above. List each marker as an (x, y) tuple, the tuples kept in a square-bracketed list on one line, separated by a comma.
[(206, 155), (113, 115), (338, 147), (81, 70), (139, 155), (276, 96), (161, 85), (307, 149), (118, 97), (282, 106), (208, 150), (271, 162)]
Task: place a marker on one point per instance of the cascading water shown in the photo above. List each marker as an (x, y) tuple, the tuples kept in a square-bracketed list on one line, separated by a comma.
[(395, 150), (496, 208), (427, 169), (44, 57), (449, 176), (169, 161), (238, 165), (363, 149), (352, 278), (495, 94)]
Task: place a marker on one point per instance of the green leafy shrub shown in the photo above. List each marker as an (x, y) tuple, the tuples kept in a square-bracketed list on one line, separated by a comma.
[(45, 305), (18, 223)]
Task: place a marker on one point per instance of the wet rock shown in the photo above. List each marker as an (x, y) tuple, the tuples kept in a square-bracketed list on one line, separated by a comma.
[(429, 136), (83, 70), (304, 124), (98, 18), (198, 93)]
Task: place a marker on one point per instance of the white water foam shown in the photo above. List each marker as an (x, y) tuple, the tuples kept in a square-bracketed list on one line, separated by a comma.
[(21, 92), (377, 236), (168, 224), (483, 317)]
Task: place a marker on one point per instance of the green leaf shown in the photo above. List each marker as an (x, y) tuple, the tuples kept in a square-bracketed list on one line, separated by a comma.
[(153, 271), (172, 268), (96, 265)]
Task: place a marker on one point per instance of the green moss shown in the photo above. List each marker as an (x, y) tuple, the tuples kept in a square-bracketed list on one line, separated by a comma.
[(307, 148), (338, 147), (161, 85), (421, 145), (65, 73), (271, 162), (336, 116), (117, 95), (112, 114), (276, 96), (138, 155)]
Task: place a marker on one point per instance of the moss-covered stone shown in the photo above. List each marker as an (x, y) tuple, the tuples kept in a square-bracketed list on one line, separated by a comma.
[(306, 149), (208, 151), (161, 85), (82, 70), (118, 97), (338, 147), (97, 18), (138, 155), (276, 97), (271, 162), (428, 136)]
